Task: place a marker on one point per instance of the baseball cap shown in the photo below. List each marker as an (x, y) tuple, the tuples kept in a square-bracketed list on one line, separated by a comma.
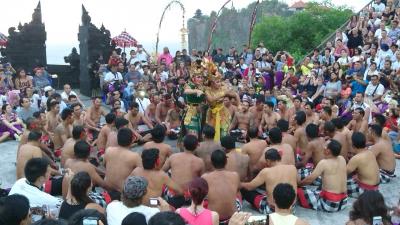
[(48, 88), (135, 187)]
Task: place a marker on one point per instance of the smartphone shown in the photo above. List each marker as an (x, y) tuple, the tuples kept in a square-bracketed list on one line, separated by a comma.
[(154, 202), (90, 221), (377, 220)]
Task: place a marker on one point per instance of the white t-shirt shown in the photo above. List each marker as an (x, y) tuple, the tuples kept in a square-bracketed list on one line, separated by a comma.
[(36, 197), (111, 77), (378, 7), (143, 104), (64, 95), (141, 57), (371, 88), (117, 211)]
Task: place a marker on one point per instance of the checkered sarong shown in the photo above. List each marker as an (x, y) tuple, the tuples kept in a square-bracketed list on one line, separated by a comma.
[(304, 172), (321, 200), (98, 198), (386, 176), (355, 188)]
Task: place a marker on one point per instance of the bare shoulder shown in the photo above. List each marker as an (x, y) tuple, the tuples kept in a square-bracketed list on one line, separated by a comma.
[(300, 221)]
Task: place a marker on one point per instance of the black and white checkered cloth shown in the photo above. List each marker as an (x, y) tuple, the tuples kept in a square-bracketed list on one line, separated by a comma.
[(353, 188), (385, 176), (313, 199), (98, 198)]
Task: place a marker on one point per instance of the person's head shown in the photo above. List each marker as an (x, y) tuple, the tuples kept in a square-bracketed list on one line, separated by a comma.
[(78, 132), (37, 170), (133, 191), (300, 118), (198, 189), (77, 108), (253, 132), (326, 113), (78, 217), (312, 131), (272, 156), (66, 115), (368, 205), (297, 102), (333, 148), (67, 88), (24, 102), (329, 128), (374, 79), (150, 158), (158, 133), (166, 218), (338, 122), (228, 143), (379, 119), (96, 102), (110, 118), (134, 108), (374, 131), (125, 137), (275, 135), (309, 107), (6, 109), (190, 142), (283, 125), (121, 122), (358, 114), (218, 159), (358, 139), (209, 132), (284, 196), (134, 218), (359, 97), (34, 136), (14, 210), (81, 150), (53, 106), (81, 184), (269, 107)]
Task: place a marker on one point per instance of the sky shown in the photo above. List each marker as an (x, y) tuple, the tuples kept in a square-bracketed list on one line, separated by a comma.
[(140, 18)]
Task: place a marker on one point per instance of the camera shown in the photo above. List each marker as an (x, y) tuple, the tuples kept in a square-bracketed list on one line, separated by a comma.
[(154, 202), (90, 221)]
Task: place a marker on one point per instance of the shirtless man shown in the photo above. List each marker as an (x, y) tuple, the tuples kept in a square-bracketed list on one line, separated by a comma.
[(136, 118), (358, 123), (254, 149), (184, 173), (299, 133), (282, 110), (231, 107), (207, 146), (93, 115), (223, 187), (286, 151), (63, 131), (163, 107), (120, 161), (287, 138), (332, 170), (313, 151), (325, 116), (78, 134), (331, 130), (312, 117), (112, 140), (104, 132), (52, 116), (269, 118), (158, 135), (78, 115), (383, 152), (275, 173), (243, 119), (297, 107), (150, 112), (157, 178), (80, 163), (173, 122), (258, 110), (236, 162), (28, 151), (365, 167)]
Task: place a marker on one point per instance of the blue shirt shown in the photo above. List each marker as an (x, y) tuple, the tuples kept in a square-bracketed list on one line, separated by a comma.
[(357, 87)]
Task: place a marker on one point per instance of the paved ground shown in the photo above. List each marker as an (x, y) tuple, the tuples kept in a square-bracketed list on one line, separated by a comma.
[(390, 191)]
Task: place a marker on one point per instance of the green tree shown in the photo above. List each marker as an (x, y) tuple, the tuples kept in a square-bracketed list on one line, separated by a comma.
[(301, 32)]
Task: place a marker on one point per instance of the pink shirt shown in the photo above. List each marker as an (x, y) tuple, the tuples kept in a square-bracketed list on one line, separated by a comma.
[(204, 218), (167, 57)]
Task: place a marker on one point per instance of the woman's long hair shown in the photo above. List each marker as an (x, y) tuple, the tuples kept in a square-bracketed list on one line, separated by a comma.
[(198, 189), (79, 186), (368, 205)]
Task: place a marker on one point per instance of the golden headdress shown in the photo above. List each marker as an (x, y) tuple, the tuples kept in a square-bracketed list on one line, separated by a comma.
[(212, 70)]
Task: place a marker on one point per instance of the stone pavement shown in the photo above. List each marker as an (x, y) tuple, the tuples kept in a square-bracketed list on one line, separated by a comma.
[(390, 191)]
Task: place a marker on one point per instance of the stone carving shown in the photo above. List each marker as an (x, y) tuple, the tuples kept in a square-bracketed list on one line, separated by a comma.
[(26, 47)]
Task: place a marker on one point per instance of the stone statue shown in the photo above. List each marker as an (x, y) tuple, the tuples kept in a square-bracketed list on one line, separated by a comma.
[(73, 59)]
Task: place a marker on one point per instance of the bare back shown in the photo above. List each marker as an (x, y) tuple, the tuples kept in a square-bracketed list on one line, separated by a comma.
[(223, 189), (276, 175), (284, 150), (254, 150), (67, 151), (103, 135), (238, 162), (342, 139), (366, 166), (334, 176), (26, 152), (384, 155), (119, 163), (204, 152), (165, 150)]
